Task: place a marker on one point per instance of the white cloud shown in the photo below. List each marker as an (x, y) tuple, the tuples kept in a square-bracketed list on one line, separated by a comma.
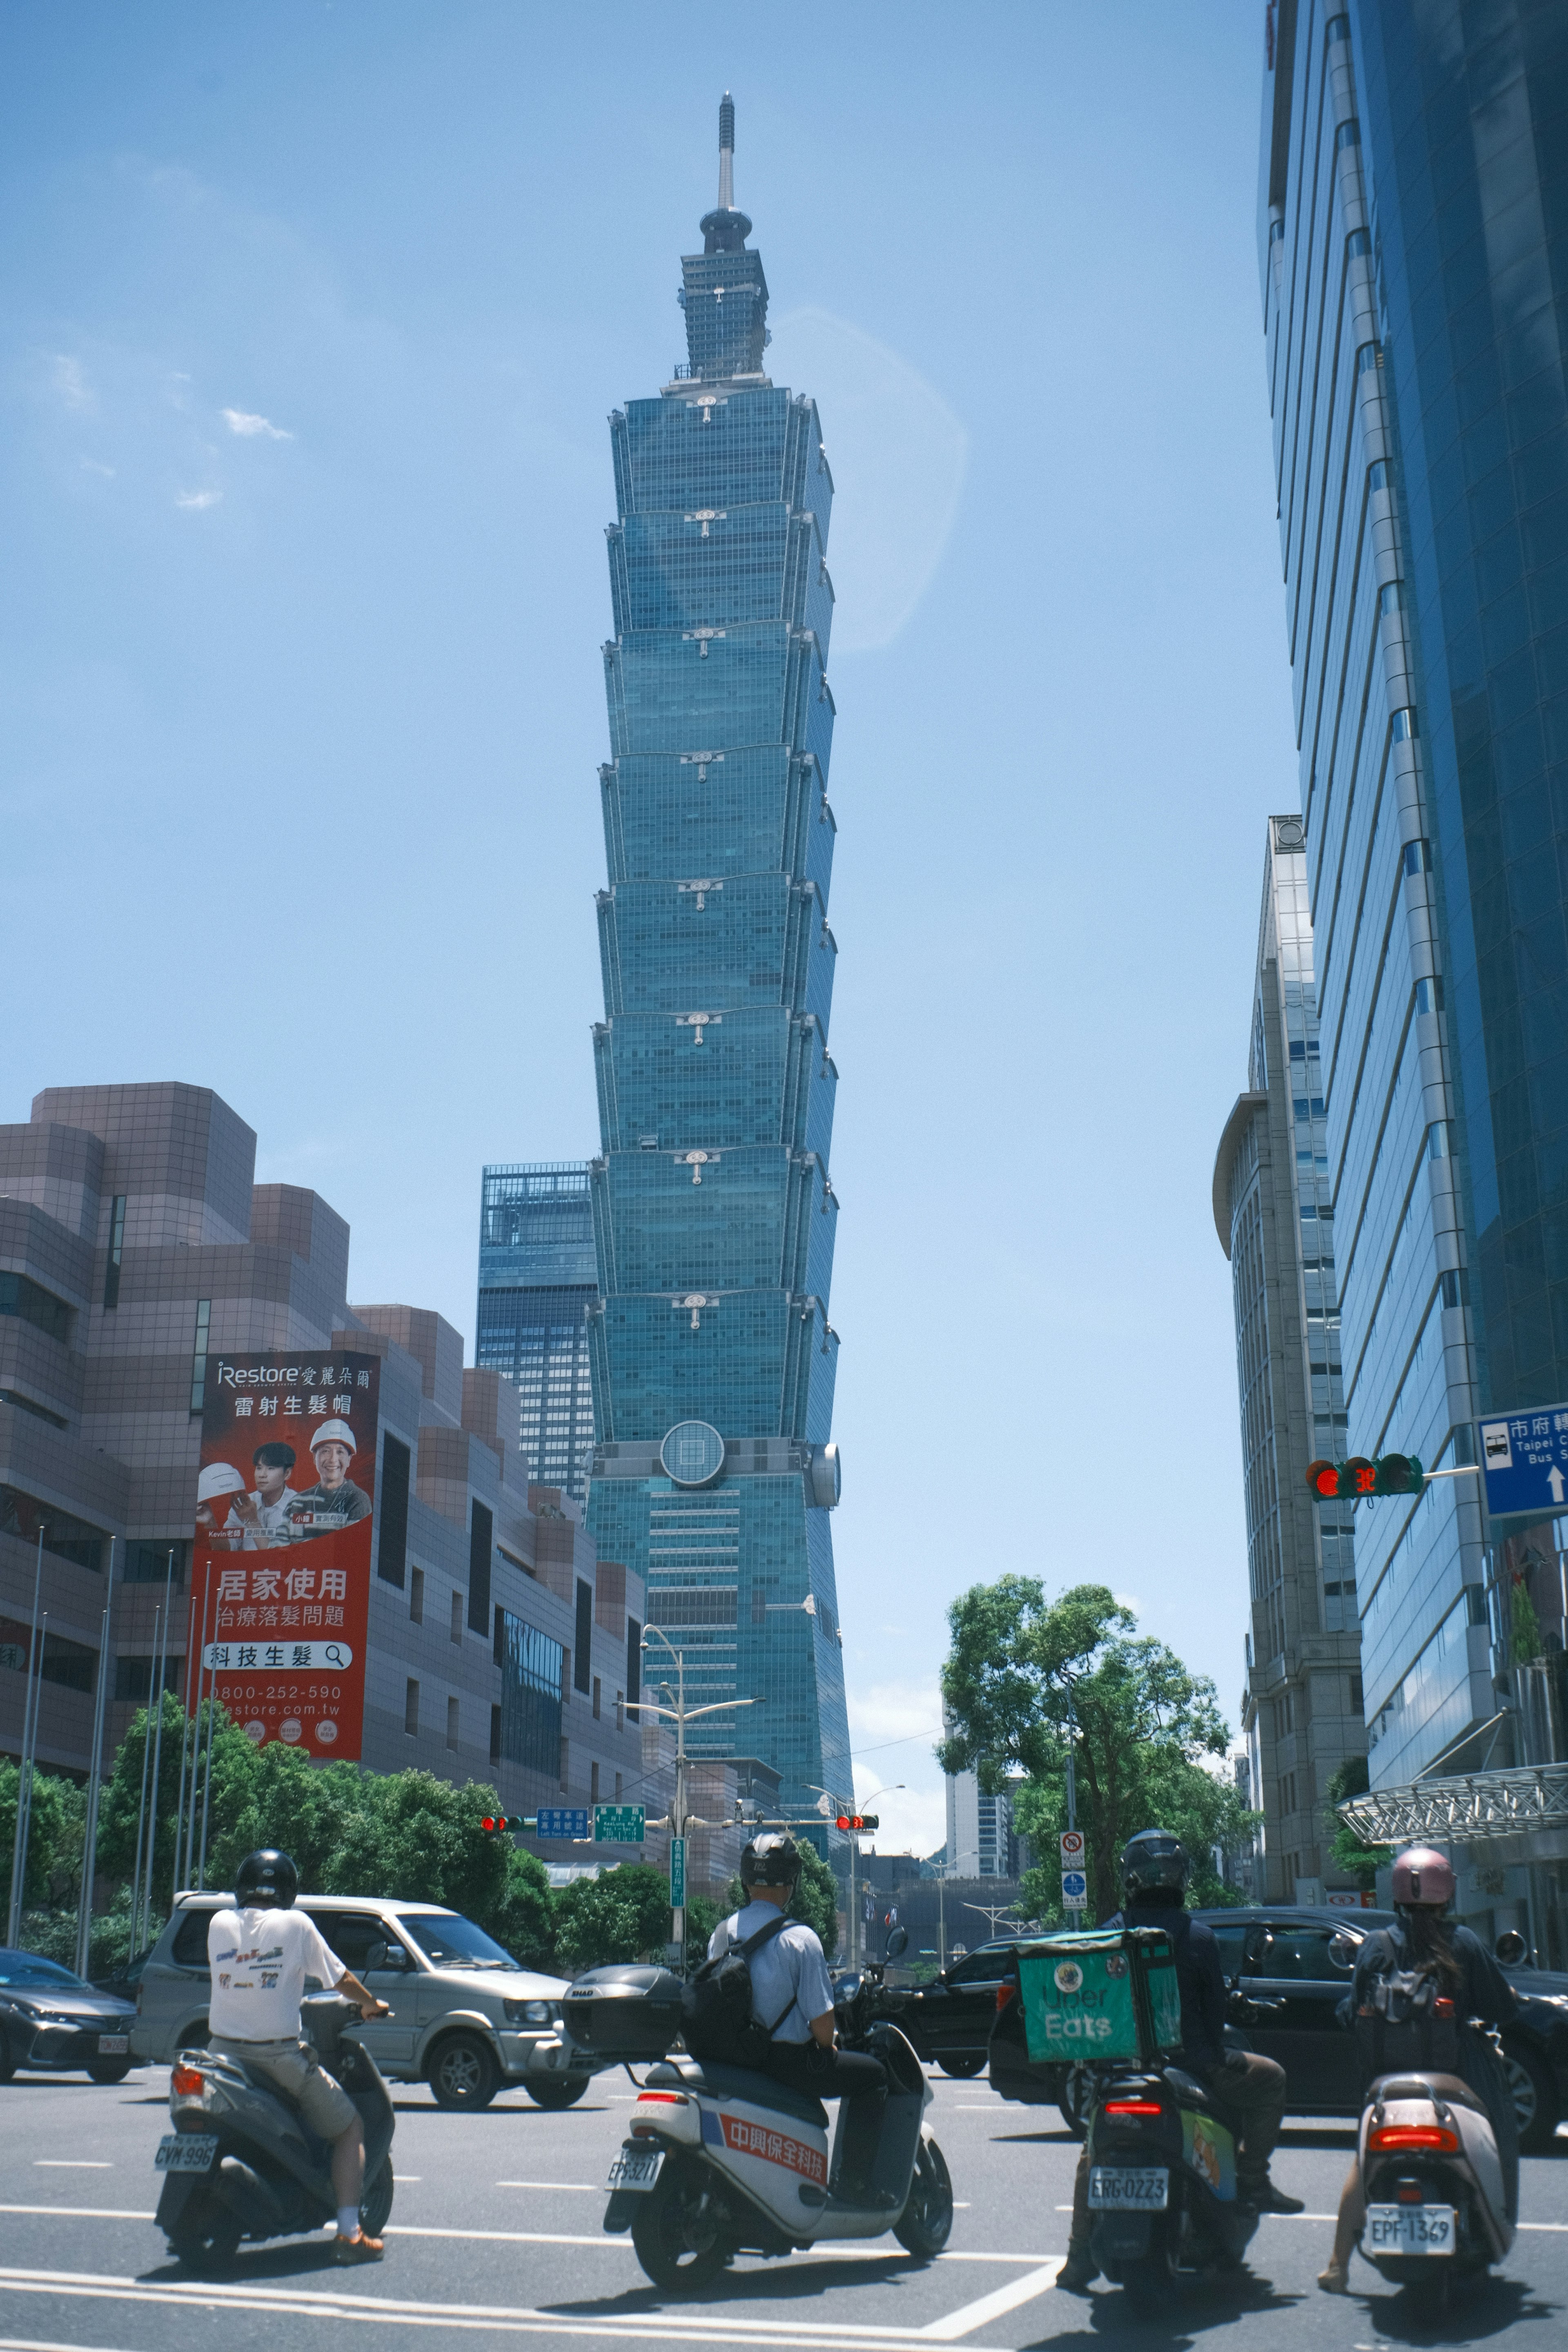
[(71, 383), (248, 427), (95, 466), (885, 429), (196, 501)]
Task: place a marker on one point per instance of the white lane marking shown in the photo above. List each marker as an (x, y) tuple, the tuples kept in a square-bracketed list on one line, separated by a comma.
[(581, 2188), (1543, 2225), (70, 2164), (995, 2305), (401, 2177)]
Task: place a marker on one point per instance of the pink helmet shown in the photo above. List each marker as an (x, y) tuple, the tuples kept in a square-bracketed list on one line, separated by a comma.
[(1424, 1877)]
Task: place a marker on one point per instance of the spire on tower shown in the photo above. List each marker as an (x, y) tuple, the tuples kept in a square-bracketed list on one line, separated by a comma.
[(724, 230)]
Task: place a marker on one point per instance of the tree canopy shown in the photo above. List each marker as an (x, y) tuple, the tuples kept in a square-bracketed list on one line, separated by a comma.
[(1027, 1679)]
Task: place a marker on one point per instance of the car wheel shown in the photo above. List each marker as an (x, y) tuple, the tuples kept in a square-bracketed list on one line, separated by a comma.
[(1535, 2101), (558, 2095), (1076, 2100), (375, 2205), (108, 2070), (963, 2062), (463, 2072)]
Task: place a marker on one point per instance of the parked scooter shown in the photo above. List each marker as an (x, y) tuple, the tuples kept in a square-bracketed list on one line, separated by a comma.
[(723, 2160), (1435, 2205), (241, 2162)]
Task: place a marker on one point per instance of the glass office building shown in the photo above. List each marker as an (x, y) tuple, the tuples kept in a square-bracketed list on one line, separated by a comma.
[(538, 1277), (712, 1355), (1414, 244), (1273, 1212)]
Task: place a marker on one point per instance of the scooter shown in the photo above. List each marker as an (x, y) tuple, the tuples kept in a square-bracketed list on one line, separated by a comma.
[(1163, 2202), (241, 2162), (1435, 2204), (723, 2160)]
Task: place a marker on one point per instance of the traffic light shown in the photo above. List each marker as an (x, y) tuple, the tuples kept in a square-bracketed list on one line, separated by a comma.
[(1390, 1474), (502, 1824), (859, 1821)]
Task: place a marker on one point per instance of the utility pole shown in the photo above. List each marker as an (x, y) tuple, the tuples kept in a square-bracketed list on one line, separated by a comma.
[(94, 1789), (29, 1740), (680, 1714)]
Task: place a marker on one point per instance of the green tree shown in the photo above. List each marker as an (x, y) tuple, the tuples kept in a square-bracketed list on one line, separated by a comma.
[(54, 1842), (1026, 1678), (622, 1914), (702, 1916), (1361, 1862)]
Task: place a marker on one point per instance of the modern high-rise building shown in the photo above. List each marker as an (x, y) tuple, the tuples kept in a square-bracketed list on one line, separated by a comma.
[(981, 1840), (1302, 1709), (537, 1281), (1413, 229), (713, 1215)]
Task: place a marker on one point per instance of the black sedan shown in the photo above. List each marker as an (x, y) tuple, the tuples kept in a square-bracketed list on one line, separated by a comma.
[(950, 2020), (55, 2021), (1289, 1980)]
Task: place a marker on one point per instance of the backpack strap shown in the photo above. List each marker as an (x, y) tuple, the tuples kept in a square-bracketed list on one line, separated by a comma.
[(754, 1943)]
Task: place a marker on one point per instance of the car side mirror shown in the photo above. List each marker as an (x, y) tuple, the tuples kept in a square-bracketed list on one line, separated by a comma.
[(387, 1956), (1255, 1950), (1511, 1948), (1342, 1951), (898, 1943)]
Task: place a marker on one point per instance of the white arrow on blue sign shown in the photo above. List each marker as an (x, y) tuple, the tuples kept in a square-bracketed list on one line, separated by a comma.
[(1524, 1460)]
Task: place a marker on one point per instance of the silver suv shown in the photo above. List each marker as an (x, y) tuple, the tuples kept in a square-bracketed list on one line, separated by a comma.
[(465, 2017)]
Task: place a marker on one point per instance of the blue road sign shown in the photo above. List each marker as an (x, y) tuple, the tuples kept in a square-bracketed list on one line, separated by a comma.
[(565, 1821), (1524, 1461), (678, 1874), (1075, 1886)]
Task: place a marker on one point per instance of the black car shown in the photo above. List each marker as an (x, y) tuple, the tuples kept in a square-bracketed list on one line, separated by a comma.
[(53, 2020), (950, 2020), (1283, 1965)]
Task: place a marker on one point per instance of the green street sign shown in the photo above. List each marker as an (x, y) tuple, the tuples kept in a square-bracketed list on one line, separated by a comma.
[(678, 1874), (619, 1824)]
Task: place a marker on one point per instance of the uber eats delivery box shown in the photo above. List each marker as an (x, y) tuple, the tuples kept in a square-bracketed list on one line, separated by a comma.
[(1103, 1993)]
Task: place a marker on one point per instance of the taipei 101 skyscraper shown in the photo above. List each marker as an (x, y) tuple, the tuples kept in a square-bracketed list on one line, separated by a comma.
[(714, 1474)]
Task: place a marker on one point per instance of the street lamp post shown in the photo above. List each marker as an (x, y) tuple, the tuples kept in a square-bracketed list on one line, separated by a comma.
[(29, 1742), (680, 1714), (860, 1805)]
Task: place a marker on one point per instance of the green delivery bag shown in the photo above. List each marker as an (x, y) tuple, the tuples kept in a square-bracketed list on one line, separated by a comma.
[(1104, 1995)]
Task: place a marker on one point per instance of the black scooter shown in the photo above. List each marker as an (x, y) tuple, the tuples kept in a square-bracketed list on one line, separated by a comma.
[(241, 2162)]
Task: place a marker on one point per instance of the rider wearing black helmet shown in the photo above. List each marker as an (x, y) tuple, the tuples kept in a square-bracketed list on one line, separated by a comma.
[(1155, 1875), (261, 1952), (792, 1993)]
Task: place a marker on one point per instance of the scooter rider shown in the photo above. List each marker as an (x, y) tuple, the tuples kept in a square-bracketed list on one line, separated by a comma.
[(1470, 1978), (1155, 1874), (790, 1984), (261, 1953)]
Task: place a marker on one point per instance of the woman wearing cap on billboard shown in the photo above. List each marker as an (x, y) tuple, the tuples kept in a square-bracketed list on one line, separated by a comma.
[(335, 1501), (217, 1483)]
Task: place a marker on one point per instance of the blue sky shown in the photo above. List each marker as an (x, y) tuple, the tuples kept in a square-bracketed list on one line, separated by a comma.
[(313, 314)]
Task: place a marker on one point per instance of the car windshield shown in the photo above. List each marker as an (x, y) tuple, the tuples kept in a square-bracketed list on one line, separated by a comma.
[(29, 1969), (449, 1941)]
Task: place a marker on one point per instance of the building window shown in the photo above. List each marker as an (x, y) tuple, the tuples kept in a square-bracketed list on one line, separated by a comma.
[(1377, 475), (529, 1722), (1356, 1700), (199, 1355), (411, 1708), (416, 1596), (495, 1735), (133, 1677), (1347, 135), (582, 1672), (481, 1544), (1404, 725), (1417, 858), (147, 1563), (456, 1627), (19, 1295), (634, 1661), (565, 1763), (594, 1782), (116, 1250), (452, 1722), (1369, 356), (1357, 242), (65, 1537), (595, 1698), (392, 1508)]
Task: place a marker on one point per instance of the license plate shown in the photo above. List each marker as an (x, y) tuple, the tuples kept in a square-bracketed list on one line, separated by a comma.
[(1118, 2187), (113, 2045), (635, 2169), (1409, 2229), (186, 2152)]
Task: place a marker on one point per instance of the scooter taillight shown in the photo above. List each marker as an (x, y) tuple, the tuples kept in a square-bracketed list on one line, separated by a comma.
[(187, 2083), (663, 2099), (1132, 2107), (1387, 2139)]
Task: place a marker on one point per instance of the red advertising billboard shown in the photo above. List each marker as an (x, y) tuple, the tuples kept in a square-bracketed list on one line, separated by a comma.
[(285, 1513)]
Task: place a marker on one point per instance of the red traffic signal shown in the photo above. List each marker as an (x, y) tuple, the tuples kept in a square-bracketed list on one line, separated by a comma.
[(501, 1824), (1390, 1474), (859, 1821), (1324, 1481)]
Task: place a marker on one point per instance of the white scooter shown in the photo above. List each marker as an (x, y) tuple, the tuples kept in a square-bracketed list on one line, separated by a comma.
[(1435, 2205), (723, 2160)]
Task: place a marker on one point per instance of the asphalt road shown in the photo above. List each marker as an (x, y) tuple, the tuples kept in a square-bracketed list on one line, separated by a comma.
[(496, 2237)]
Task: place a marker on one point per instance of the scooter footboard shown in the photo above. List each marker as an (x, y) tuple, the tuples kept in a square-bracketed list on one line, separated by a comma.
[(896, 2144)]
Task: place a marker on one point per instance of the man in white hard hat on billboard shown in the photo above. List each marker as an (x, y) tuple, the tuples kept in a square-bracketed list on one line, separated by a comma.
[(335, 1501), (215, 1487)]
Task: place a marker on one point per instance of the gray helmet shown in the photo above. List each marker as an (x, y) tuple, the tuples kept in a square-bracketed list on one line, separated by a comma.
[(1153, 1859), (772, 1860), (265, 1881)]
